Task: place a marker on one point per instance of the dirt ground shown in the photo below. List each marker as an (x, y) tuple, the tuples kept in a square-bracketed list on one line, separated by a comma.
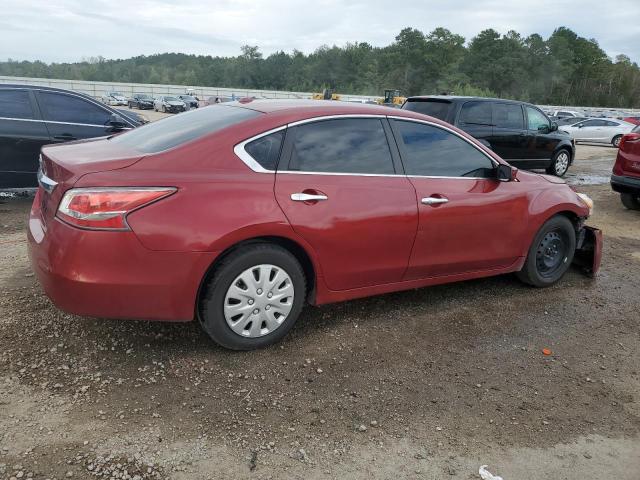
[(424, 384)]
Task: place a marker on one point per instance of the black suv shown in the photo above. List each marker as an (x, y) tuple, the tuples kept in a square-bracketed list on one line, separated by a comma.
[(519, 132), (32, 116)]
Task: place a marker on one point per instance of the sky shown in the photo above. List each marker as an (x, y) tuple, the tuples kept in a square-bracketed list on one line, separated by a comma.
[(70, 30)]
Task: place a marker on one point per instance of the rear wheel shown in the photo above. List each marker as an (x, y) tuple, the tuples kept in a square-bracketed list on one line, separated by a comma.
[(560, 163), (632, 202), (550, 254), (616, 141), (254, 297)]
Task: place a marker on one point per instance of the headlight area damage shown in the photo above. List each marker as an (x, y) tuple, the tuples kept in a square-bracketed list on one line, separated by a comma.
[(588, 250)]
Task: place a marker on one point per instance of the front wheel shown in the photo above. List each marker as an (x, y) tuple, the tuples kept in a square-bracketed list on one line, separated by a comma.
[(550, 254), (254, 297), (559, 164), (615, 141), (632, 202)]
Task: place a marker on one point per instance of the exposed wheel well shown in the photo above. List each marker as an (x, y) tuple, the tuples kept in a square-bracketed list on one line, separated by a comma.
[(294, 248)]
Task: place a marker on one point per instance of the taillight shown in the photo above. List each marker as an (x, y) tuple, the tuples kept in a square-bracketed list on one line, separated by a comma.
[(629, 138), (106, 208)]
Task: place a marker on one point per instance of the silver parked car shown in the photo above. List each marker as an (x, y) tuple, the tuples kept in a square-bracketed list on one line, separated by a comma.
[(598, 130), (114, 98), (168, 104)]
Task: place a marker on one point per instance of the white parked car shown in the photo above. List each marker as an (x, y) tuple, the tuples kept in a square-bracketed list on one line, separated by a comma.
[(168, 104), (114, 98), (565, 113), (599, 130)]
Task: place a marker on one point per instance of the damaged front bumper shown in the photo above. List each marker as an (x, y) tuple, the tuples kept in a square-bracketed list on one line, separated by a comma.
[(588, 250)]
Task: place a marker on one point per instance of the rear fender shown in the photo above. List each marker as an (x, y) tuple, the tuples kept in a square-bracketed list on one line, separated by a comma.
[(589, 250)]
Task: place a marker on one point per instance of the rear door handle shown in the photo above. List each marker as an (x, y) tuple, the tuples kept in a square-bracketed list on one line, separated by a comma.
[(307, 197), (434, 200)]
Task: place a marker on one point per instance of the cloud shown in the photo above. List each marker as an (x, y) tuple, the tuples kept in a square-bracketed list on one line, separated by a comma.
[(68, 30)]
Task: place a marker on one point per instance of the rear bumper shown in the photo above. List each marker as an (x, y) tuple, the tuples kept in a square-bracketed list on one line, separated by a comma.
[(112, 275), (623, 184), (589, 250)]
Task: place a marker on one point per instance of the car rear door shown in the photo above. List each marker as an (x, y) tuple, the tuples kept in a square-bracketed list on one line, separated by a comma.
[(72, 117), (22, 134), (468, 220), (341, 187)]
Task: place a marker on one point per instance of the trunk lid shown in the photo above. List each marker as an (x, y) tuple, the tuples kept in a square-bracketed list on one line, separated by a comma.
[(62, 165)]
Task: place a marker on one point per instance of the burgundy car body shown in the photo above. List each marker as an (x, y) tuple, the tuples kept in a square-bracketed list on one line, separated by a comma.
[(373, 236), (626, 171)]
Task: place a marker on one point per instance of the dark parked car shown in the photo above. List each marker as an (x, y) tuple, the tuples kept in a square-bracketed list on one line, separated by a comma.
[(141, 101), (189, 101), (32, 116), (239, 214), (519, 132), (626, 171)]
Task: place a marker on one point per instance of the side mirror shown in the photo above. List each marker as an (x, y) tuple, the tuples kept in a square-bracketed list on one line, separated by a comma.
[(117, 122), (544, 129), (505, 173), (554, 127)]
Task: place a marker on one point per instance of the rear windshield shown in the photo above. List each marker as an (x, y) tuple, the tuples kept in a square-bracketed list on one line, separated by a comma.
[(170, 132), (433, 108)]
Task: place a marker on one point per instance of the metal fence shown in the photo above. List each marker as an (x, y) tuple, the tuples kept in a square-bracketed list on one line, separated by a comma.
[(98, 89)]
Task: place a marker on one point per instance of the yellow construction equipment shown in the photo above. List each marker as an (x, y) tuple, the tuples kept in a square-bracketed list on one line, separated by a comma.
[(327, 94), (392, 98)]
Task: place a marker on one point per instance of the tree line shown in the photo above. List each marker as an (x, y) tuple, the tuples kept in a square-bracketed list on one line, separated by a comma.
[(564, 69)]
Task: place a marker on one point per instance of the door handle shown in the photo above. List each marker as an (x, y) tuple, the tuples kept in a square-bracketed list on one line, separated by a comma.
[(434, 200), (307, 197), (64, 136)]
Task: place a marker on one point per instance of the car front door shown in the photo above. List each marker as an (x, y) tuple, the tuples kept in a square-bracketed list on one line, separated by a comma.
[(22, 134), (71, 117), (539, 127), (341, 187), (468, 220)]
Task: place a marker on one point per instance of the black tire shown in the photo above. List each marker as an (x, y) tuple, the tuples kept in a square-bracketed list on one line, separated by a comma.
[(615, 141), (212, 299), (630, 201), (560, 163), (543, 267)]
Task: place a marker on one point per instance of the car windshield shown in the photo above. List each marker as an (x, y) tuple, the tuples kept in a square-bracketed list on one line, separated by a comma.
[(433, 108), (171, 99), (173, 131), (144, 97), (187, 97), (116, 94)]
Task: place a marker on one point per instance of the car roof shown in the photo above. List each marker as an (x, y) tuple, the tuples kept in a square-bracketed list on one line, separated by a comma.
[(453, 98), (27, 86), (307, 108)]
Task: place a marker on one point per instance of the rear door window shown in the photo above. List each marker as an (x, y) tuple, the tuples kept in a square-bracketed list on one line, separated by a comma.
[(15, 104), (60, 107), (476, 113), (350, 145), (435, 152), (434, 108), (508, 115)]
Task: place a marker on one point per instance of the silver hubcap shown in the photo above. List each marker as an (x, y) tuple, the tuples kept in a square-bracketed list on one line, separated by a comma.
[(258, 301), (562, 163)]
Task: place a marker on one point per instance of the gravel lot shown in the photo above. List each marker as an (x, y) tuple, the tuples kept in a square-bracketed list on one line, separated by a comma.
[(425, 384)]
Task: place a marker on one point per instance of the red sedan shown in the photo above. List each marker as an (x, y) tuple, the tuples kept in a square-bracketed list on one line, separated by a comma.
[(238, 214)]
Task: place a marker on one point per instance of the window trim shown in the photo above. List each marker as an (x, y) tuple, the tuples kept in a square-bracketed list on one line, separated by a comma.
[(250, 162), (81, 97)]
